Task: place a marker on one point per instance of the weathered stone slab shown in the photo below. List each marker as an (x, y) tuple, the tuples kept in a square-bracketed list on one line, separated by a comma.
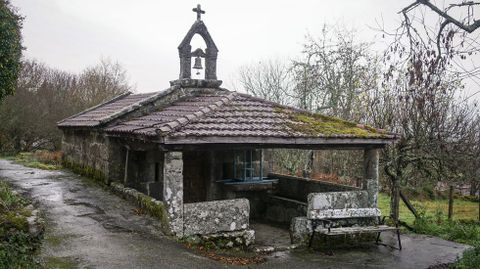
[(216, 216), (350, 204), (337, 200)]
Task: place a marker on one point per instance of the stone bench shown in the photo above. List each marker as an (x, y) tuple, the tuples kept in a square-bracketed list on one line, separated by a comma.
[(327, 212)]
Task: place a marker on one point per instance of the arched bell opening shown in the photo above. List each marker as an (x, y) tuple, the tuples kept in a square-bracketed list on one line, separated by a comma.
[(198, 57)]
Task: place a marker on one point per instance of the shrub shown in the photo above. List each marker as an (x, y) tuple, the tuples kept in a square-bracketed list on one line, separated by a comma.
[(470, 259), (17, 245)]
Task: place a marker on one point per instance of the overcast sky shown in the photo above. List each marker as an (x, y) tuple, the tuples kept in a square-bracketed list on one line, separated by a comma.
[(143, 35)]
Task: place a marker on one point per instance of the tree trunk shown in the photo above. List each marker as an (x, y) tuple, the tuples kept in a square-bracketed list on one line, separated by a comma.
[(395, 200)]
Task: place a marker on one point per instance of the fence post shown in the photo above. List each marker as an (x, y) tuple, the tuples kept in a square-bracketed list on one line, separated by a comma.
[(450, 202)]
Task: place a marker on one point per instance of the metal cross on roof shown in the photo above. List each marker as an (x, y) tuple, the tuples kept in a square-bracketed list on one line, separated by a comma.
[(199, 12)]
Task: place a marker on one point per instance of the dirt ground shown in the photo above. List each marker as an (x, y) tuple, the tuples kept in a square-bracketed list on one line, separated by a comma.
[(89, 227)]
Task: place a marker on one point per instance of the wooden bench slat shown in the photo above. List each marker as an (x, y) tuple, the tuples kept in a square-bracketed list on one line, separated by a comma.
[(343, 213), (355, 230)]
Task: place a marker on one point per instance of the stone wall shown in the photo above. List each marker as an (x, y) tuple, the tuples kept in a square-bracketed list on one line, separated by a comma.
[(216, 216), (90, 152), (298, 188)]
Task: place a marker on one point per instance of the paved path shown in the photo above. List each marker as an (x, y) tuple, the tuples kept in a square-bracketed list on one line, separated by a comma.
[(89, 227)]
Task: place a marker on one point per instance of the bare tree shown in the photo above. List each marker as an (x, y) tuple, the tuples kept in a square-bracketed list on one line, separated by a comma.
[(423, 77), (45, 96), (335, 74), (270, 80)]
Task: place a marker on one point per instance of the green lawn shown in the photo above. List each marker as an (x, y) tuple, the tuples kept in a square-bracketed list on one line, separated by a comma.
[(462, 209)]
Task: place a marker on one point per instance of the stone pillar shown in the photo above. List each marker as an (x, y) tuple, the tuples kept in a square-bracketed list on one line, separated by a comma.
[(185, 61), (370, 179), (173, 190), (211, 64)]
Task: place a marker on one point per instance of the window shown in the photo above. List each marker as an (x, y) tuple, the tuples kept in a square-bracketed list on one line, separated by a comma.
[(247, 165)]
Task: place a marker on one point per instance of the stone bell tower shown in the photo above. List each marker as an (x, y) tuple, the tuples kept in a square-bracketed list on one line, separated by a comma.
[(209, 56)]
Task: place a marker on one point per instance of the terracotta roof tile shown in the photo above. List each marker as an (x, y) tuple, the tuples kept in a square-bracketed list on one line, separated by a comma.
[(221, 113), (103, 112)]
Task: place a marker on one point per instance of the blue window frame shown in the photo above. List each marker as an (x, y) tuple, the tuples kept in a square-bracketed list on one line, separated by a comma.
[(248, 165)]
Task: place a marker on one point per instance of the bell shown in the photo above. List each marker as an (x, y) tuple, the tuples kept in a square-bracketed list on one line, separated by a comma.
[(198, 63)]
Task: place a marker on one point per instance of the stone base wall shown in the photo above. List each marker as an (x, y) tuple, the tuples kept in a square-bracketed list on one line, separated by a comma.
[(92, 154), (154, 207), (221, 240)]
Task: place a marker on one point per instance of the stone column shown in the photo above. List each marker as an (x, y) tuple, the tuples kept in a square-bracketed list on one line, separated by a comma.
[(370, 179), (173, 190)]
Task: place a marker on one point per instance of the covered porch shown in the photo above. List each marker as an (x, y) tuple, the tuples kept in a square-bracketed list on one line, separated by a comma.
[(222, 189)]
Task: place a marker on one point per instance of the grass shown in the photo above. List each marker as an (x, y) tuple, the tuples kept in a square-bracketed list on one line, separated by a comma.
[(17, 245), (463, 228), (462, 209), (42, 159)]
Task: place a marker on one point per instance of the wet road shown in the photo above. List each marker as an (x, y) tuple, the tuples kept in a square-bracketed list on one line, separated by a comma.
[(89, 227)]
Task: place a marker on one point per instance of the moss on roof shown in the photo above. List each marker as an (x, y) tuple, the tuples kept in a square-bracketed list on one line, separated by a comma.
[(320, 125)]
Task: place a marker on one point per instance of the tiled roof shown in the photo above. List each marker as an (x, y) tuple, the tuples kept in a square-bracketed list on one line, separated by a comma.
[(176, 115), (221, 113), (107, 111)]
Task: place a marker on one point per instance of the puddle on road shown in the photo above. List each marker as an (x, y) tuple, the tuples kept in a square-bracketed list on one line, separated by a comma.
[(54, 197)]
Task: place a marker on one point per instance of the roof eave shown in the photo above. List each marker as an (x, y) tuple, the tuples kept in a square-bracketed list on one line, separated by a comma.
[(279, 141)]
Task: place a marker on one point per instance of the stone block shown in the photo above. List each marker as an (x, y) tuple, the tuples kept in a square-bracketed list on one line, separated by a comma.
[(216, 216), (300, 230)]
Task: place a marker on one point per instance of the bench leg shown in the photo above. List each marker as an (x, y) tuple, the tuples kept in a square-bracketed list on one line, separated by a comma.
[(311, 239), (399, 241), (329, 251), (378, 238)]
